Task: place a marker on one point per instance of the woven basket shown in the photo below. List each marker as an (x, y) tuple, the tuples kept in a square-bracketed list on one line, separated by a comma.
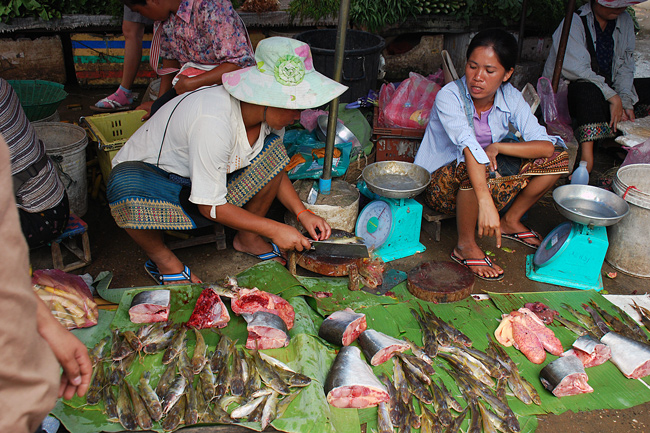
[(38, 98), (356, 167)]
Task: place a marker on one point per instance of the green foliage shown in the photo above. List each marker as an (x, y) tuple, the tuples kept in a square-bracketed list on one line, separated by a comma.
[(52, 9)]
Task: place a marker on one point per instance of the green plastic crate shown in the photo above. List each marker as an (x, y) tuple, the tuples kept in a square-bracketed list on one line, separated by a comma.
[(112, 130), (39, 98)]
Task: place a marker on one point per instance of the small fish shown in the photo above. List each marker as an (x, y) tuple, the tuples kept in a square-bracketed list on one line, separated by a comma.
[(123, 350), (451, 401), (440, 404), (110, 404), (413, 369), (237, 374), (97, 352), (572, 326), (491, 421), (269, 412), (614, 321), (159, 339), (141, 413), (133, 340), (384, 423), (419, 352), (166, 378), (585, 319), (174, 393), (284, 404), (115, 343), (394, 403), (175, 415), (417, 388), (268, 375), (631, 323), (198, 358), (246, 408), (125, 409), (176, 346), (643, 313), (185, 365), (96, 385), (192, 407), (206, 379), (400, 382), (149, 396)]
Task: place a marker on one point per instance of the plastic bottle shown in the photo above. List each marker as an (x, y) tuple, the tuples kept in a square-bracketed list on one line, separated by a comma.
[(580, 175)]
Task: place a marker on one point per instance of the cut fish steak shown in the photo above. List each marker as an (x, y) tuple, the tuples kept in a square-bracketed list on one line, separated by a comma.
[(252, 300), (379, 347), (150, 306), (351, 382), (565, 376), (630, 356), (265, 331), (342, 327), (590, 351), (209, 311)]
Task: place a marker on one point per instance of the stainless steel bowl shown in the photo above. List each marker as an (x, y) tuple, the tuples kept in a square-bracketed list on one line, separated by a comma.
[(396, 179), (586, 204), (343, 134)]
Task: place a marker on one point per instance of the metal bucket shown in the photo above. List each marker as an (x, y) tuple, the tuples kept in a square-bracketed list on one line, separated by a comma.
[(629, 239), (65, 144)]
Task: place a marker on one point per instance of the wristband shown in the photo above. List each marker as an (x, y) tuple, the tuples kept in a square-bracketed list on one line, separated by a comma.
[(304, 210)]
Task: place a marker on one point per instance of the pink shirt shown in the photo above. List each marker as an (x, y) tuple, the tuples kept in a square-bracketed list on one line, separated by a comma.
[(207, 32), (482, 128)]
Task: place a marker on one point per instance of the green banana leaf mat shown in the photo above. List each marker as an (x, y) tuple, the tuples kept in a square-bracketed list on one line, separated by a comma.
[(315, 298)]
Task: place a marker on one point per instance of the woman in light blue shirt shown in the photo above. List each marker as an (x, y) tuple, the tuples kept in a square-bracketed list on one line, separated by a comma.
[(476, 168)]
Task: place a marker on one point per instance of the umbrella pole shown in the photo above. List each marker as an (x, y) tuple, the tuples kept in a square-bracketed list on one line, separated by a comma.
[(325, 182), (561, 50)]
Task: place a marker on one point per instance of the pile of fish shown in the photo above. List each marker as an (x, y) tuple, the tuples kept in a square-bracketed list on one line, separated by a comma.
[(225, 386)]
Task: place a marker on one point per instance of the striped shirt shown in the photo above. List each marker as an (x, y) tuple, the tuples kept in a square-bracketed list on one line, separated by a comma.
[(45, 190)]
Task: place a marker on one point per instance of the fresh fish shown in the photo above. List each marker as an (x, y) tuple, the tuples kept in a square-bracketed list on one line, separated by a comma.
[(198, 358), (643, 313), (454, 427), (631, 324), (585, 319), (269, 376), (237, 374), (590, 351), (414, 370), (294, 380), (269, 412), (175, 414), (254, 381), (185, 365), (166, 378), (191, 407), (245, 409), (451, 401), (400, 382), (572, 326), (417, 388), (97, 352), (429, 421), (284, 404), (110, 404), (140, 411), (256, 414), (472, 367), (253, 300), (491, 421), (425, 367), (125, 409), (174, 393), (351, 383), (456, 335), (209, 311), (221, 354), (379, 347), (440, 404), (419, 352), (265, 331), (159, 340), (96, 385), (518, 390), (176, 346), (501, 390), (478, 359), (394, 402), (121, 369), (530, 389), (149, 396), (342, 327), (133, 340), (150, 306), (565, 376), (600, 323), (615, 323), (206, 378), (475, 417), (429, 341), (384, 423), (222, 376), (227, 400), (123, 350), (115, 343), (500, 354), (630, 356)]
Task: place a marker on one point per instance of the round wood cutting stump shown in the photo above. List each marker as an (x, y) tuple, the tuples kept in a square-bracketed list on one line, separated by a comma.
[(326, 265), (440, 282)]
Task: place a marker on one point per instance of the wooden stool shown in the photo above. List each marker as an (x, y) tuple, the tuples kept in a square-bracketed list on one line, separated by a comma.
[(76, 226), (431, 216), (189, 239)]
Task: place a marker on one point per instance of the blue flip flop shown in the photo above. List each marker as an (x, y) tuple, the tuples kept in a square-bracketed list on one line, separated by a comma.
[(159, 278), (270, 255)]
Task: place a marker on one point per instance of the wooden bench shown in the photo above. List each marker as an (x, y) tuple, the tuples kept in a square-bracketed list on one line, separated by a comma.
[(69, 239), (190, 238), (433, 223)]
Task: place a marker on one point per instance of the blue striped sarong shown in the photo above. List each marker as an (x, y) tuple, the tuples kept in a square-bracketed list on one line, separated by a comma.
[(143, 196)]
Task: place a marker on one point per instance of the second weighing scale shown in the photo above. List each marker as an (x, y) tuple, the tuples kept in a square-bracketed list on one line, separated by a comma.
[(390, 224), (572, 254)]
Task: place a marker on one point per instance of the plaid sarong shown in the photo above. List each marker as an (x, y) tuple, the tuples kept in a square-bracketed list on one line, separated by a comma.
[(143, 196)]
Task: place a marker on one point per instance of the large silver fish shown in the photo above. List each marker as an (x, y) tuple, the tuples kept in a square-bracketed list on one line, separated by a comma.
[(379, 347), (565, 376), (630, 356), (342, 327)]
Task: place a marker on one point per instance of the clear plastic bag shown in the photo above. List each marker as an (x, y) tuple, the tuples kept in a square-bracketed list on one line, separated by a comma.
[(410, 105), (68, 297)]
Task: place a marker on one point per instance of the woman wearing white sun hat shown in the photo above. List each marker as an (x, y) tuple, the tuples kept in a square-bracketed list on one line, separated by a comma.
[(216, 155), (599, 64)]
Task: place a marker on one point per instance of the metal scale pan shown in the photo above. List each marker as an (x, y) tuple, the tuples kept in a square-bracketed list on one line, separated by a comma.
[(396, 179), (590, 205)]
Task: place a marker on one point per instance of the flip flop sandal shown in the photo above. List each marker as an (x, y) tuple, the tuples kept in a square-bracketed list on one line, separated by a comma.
[(161, 279), (522, 236), (115, 107), (485, 261), (270, 255), (111, 104)]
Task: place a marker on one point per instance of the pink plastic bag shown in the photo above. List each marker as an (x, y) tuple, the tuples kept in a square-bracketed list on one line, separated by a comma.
[(639, 154), (385, 94), (410, 105)]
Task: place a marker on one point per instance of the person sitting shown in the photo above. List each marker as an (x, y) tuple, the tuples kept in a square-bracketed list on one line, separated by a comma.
[(476, 170), (599, 64), (204, 38), (216, 155), (40, 195)]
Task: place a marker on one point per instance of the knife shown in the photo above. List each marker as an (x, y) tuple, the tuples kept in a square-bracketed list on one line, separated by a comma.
[(336, 248)]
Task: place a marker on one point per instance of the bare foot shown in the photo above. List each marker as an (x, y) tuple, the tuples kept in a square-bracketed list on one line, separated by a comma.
[(509, 228), (254, 245), (475, 253)]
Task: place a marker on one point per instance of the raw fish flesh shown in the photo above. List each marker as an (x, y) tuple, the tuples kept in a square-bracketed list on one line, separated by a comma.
[(265, 331), (351, 382), (209, 311), (252, 300), (630, 356), (378, 347), (150, 306), (342, 327), (590, 351), (544, 313), (565, 376), (524, 330)]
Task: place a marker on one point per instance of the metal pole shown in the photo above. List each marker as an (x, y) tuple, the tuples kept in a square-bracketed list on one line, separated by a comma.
[(561, 50), (522, 25), (325, 183)]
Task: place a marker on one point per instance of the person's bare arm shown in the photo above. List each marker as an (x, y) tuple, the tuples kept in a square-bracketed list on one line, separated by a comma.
[(489, 222), (69, 351), (527, 149), (208, 78)]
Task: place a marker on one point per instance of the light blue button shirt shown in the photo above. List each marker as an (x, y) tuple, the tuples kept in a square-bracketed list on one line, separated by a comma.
[(448, 133)]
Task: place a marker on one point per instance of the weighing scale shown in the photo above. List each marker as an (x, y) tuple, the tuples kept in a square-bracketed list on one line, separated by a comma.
[(390, 224), (572, 254)]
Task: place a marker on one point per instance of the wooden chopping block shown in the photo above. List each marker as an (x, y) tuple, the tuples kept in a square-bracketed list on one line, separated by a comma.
[(440, 282)]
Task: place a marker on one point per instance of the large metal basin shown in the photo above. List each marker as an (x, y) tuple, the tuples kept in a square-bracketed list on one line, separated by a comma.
[(587, 204), (396, 179)]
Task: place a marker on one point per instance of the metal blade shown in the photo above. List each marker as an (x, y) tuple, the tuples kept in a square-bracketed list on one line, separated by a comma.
[(334, 249)]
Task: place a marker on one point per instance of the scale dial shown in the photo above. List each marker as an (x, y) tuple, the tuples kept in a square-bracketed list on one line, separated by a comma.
[(552, 244), (375, 223)]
